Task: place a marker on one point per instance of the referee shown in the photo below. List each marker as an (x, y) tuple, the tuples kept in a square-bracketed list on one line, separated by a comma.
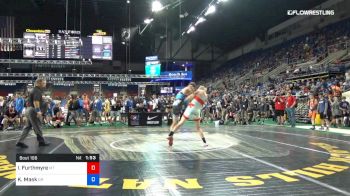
[(33, 115)]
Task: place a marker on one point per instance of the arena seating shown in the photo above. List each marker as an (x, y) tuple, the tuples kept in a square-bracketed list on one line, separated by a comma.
[(325, 46)]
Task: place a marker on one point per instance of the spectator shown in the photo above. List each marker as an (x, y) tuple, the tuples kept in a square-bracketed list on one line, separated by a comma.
[(345, 107), (57, 117), (323, 109), (107, 109), (290, 108), (244, 110), (230, 110), (336, 113), (10, 101), (263, 109), (2, 111), (73, 107), (81, 110), (67, 105), (155, 102), (49, 114), (97, 110), (255, 109), (279, 107), (115, 109), (128, 104), (19, 108), (336, 90), (11, 118), (313, 102), (45, 110), (86, 108)]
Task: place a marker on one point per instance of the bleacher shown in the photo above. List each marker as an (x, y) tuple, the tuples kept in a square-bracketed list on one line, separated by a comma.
[(319, 48)]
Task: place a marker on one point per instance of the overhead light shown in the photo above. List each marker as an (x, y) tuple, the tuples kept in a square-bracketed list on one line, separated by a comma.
[(183, 15), (191, 29), (200, 20), (123, 43), (222, 1), (148, 20), (157, 6), (210, 10), (128, 1)]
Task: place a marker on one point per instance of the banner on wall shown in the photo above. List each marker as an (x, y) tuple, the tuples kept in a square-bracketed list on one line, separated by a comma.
[(145, 119), (176, 75)]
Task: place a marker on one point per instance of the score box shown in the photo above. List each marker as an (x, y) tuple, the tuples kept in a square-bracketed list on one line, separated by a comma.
[(57, 169), (93, 167), (93, 173)]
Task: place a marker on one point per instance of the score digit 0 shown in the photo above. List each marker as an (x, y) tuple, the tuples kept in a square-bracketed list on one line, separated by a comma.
[(93, 168)]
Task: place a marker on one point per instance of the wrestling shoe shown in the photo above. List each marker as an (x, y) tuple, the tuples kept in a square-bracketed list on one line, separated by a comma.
[(205, 145), (21, 145), (170, 140), (44, 144)]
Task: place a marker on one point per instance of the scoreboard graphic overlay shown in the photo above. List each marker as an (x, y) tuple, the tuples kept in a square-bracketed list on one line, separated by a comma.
[(57, 170)]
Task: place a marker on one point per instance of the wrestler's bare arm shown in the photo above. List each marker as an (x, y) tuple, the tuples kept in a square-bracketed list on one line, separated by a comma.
[(187, 91), (190, 97)]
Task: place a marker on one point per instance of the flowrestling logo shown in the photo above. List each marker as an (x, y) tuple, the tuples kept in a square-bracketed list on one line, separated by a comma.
[(310, 12)]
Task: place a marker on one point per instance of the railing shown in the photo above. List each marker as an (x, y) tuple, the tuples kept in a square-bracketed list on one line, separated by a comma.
[(317, 71), (342, 45), (295, 61)]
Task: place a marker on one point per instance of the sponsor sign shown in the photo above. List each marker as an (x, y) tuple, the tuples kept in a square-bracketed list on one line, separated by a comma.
[(145, 119), (176, 75)]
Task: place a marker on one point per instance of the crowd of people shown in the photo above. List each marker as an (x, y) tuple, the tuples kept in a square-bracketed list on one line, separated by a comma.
[(246, 105), (279, 102), (80, 109), (245, 101)]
